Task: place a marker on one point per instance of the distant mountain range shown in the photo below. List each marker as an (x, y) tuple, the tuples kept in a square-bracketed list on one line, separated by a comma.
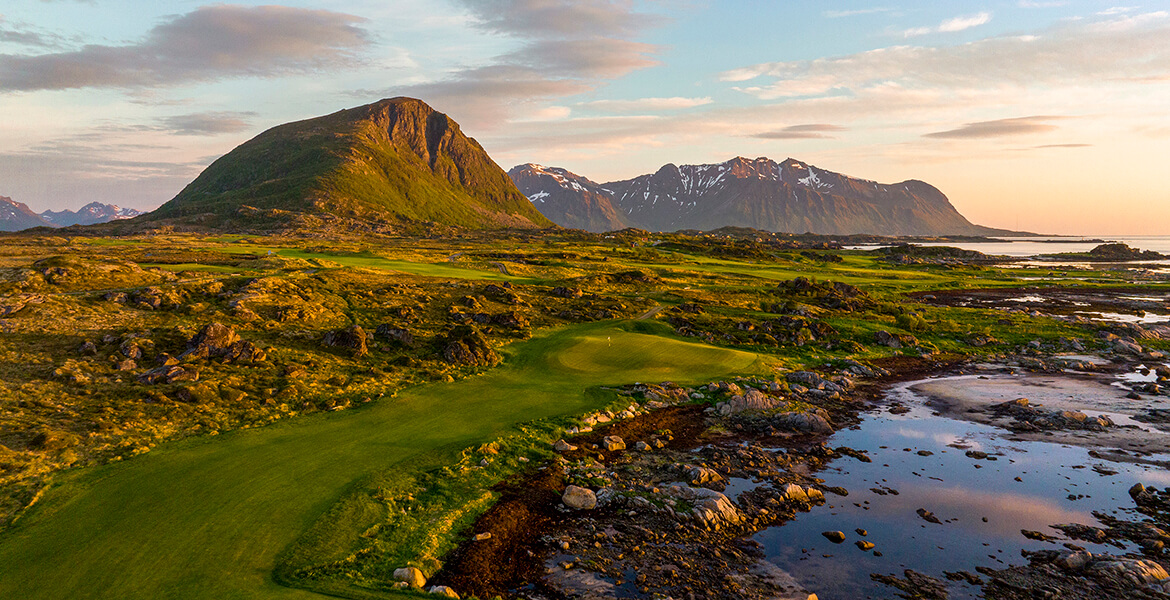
[(94, 212), (15, 216), (396, 164), (789, 196), (374, 167)]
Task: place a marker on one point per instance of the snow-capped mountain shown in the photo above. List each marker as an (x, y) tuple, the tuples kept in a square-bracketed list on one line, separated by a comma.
[(94, 212), (568, 199), (15, 216), (789, 196)]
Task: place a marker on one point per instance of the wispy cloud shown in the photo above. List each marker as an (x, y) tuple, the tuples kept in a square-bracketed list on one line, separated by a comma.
[(210, 43), (999, 128), (208, 123), (1082, 53), (644, 104), (23, 34), (1117, 10), (951, 25), (840, 14), (810, 131)]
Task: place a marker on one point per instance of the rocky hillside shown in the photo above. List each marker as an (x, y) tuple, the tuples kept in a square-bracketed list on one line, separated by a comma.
[(790, 196), (94, 212), (15, 216), (376, 166), (568, 199)]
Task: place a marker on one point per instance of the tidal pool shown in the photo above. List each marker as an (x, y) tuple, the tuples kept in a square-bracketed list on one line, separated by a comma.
[(982, 504)]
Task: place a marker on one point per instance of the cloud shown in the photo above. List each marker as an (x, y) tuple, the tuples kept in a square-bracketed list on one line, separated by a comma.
[(839, 14), (1117, 10), (208, 123), (1063, 146), (23, 34), (812, 131), (566, 48), (951, 25), (646, 104), (210, 43), (1132, 49), (559, 18), (583, 58), (998, 128)]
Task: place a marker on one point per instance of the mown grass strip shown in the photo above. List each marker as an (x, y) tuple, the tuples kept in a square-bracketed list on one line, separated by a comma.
[(207, 518)]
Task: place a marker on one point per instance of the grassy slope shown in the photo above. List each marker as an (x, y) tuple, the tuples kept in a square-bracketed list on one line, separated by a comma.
[(207, 518), (343, 164)]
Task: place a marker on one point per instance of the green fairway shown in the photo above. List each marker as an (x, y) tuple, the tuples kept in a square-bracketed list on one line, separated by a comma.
[(206, 518)]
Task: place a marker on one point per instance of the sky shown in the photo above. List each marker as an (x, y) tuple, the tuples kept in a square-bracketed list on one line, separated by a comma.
[(1050, 116)]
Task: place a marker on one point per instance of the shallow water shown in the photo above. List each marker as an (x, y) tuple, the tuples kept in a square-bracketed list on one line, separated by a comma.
[(1020, 247), (1145, 318), (1057, 485)]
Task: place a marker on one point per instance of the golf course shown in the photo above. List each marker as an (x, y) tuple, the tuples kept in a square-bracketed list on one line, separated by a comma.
[(208, 517)]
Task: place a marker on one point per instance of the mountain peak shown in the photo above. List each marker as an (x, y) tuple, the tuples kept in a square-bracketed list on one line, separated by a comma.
[(15, 216), (568, 199), (94, 212), (376, 166), (787, 196)]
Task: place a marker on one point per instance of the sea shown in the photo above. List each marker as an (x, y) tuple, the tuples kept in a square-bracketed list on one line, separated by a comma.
[(1033, 246)]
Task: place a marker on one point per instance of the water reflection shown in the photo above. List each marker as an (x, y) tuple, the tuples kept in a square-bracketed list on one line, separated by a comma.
[(1027, 485)]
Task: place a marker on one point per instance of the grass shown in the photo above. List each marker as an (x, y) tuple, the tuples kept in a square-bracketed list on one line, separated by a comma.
[(373, 261), (207, 518)]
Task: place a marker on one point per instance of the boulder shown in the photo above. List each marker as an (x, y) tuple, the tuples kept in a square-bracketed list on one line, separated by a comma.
[(1073, 560), (804, 422), (751, 401), (711, 508), (563, 446), (795, 493), (396, 335), (564, 292), (214, 340), (168, 374), (701, 475), (886, 338), (352, 337), (807, 379), (442, 590), (87, 349), (1126, 346), (411, 575), (465, 345), (244, 351), (1143, 572), (834, 536), (579, 498), (612, 443), (716, 510)]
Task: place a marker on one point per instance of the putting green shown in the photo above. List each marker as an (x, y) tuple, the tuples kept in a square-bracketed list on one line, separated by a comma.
[(206, 518)]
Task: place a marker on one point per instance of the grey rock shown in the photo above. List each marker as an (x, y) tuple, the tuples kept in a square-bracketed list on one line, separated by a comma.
[(579, 498)]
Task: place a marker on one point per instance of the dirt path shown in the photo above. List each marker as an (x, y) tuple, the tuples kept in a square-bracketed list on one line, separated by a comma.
[(650, 314)]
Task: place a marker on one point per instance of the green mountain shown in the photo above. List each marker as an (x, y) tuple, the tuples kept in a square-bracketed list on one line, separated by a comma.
[(394, 162)]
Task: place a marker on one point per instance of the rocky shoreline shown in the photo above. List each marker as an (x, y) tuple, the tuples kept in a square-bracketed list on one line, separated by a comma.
[(661, 500)]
